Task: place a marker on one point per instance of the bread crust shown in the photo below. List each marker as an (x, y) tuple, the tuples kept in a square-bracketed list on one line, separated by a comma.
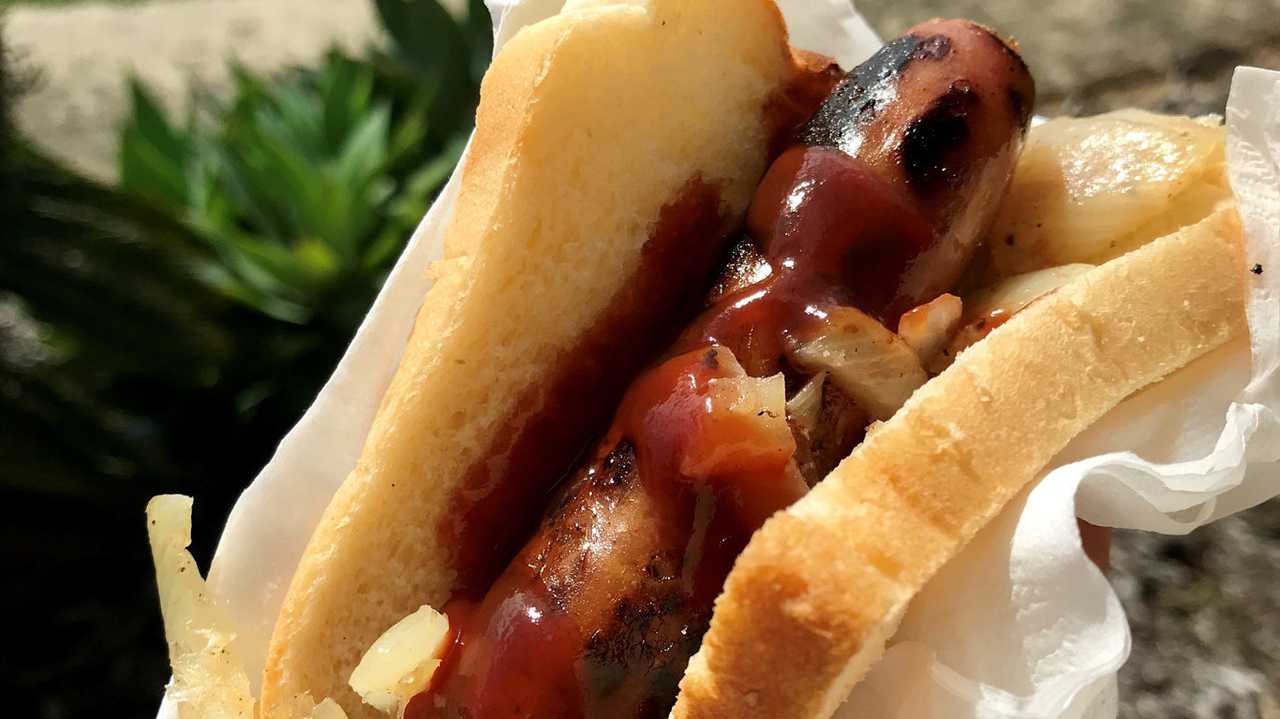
[(812, 600), (549, 224)]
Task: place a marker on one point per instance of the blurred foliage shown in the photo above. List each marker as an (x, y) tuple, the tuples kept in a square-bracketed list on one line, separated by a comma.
[(305, 190), (303, 187), (163, 335)]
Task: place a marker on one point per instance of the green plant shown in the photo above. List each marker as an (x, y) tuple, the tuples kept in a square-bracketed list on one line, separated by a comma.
[(302, 188), (108, 354), (94, 289), (304, 192), (104, 343), (162, 336), (305, 186)]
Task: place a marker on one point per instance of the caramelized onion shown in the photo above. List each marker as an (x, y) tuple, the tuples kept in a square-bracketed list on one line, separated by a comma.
[(876, 368), (929, 327)]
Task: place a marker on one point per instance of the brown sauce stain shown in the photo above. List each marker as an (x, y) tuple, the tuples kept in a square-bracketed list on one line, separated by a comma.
[(500, 500)]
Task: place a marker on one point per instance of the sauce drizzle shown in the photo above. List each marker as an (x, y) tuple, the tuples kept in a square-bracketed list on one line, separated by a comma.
[(601, 610)]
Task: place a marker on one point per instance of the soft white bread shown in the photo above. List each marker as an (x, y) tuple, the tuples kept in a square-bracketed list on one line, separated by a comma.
[(820, 588), (589, 123)]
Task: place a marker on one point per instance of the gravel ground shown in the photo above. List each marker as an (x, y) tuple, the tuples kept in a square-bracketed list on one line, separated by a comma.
[(1206, 643), (1203, 607)]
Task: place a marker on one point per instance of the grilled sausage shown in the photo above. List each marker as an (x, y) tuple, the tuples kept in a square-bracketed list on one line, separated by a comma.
[(939, 113), (878, 205)]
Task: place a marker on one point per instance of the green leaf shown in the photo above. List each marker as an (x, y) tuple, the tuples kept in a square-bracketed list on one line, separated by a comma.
[(386, 246), (316, 258), (408, 135), (281, 273), (478, 30), (433, 175), (346, 89), (256, 293), (279, 171), (426, 36), (396, 79), (153, 153), (365, 152), (251, 91), (299, 121), (408, 207), (213, 211), (236, 180), (153, 123)]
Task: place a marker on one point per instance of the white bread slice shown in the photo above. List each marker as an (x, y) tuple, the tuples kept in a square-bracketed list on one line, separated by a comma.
[(810, 603), (589, 123)]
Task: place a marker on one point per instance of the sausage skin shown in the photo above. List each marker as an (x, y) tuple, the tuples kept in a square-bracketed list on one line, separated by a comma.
[(878, 204)]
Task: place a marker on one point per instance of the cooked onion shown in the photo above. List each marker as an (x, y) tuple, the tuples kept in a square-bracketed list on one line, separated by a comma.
[(745, 426), (805, 407), (990, 307), (764, 397), (1090, 189), (209, 681), (869, 363), (928, 328), (400, 663), (1013, 293)]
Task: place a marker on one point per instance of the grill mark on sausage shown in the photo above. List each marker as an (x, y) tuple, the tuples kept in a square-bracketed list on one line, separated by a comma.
[(615, 470), (867, 89), (934, 47), (559, 562), (619, 466), (653, 631), (943, 128), (799, 99)]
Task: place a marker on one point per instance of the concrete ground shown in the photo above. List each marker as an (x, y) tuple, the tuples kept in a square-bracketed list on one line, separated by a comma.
[(1205, 609), (84, 53)]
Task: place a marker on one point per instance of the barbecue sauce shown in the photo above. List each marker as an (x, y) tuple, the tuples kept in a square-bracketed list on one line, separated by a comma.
[(598, 614), (552, 424), (683, 476), (833, 234)]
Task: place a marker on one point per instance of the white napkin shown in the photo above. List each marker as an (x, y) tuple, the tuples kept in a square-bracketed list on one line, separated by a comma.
[(1021, 624)]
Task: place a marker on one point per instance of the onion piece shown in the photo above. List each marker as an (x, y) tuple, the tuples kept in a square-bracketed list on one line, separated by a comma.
[(1091, 189), (805, 407), (1013, 293), (209, 680), (990, 307), (868, 362), (727, 361), (400, 663), (744, 429), (928, 328)]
